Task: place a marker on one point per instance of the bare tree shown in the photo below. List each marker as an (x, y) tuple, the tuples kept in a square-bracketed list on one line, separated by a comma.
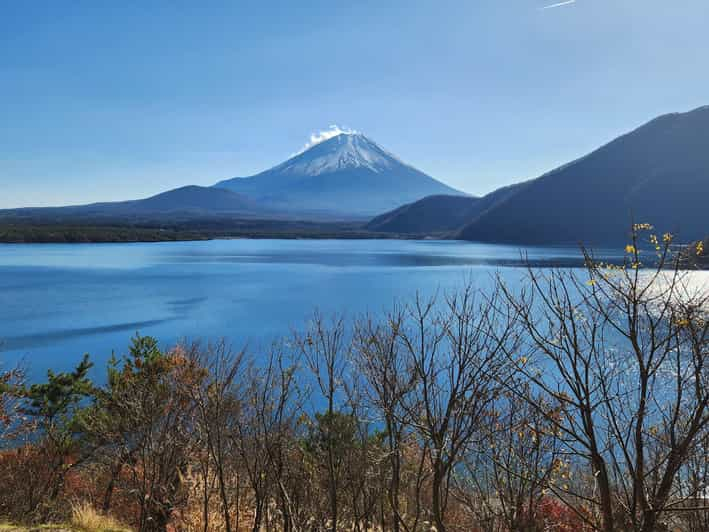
[(692, 507), (250, 441), (218, 400), (381, 362), (506, 477), (323, 350), (620, 352), (278, 409), (455, 357), (363, 457)]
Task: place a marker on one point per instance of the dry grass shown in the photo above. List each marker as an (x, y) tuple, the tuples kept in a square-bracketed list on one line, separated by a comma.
[(7, 527), (84, 517)]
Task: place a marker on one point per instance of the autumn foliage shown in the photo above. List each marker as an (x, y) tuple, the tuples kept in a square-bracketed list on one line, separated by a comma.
[(579, 403)]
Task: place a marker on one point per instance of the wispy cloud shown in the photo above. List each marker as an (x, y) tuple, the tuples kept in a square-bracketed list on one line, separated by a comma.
[(322, 136), (558, 4)]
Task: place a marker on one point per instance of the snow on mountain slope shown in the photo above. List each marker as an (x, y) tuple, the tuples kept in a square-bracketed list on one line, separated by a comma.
[(347, 150), (347, 173)]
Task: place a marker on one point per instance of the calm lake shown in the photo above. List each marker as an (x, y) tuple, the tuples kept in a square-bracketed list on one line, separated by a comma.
[(60, 301)]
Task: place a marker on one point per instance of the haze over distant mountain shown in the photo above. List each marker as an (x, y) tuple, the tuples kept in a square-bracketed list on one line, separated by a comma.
[(347, 173), (191, 198), (188, 201)]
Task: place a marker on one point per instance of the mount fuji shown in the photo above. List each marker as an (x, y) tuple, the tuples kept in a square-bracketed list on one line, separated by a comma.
[(345, 174)]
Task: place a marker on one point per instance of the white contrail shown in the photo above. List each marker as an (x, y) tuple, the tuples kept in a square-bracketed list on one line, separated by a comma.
[(560, 4)]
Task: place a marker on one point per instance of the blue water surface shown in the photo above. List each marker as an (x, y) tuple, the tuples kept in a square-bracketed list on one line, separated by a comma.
[(58, 301)]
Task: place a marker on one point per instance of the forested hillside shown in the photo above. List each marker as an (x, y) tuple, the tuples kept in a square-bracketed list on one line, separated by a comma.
[(658, 172)]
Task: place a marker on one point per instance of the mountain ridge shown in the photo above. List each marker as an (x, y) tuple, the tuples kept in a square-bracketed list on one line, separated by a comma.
[(190, 201), (657, 173), (438, 215), (347, 177)]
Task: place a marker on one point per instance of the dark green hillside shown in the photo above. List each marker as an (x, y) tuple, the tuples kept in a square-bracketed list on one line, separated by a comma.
[(438, 214), (428, 215), (658, 173)]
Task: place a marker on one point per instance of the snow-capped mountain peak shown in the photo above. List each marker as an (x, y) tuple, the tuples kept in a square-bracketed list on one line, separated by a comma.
[(344, 172), (343, 151)]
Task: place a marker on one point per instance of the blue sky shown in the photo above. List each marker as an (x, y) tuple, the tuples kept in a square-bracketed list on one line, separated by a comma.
[(117, 100)]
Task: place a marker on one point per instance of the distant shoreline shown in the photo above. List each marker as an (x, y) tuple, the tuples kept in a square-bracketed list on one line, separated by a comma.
[(46, 233), (106, 234)]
